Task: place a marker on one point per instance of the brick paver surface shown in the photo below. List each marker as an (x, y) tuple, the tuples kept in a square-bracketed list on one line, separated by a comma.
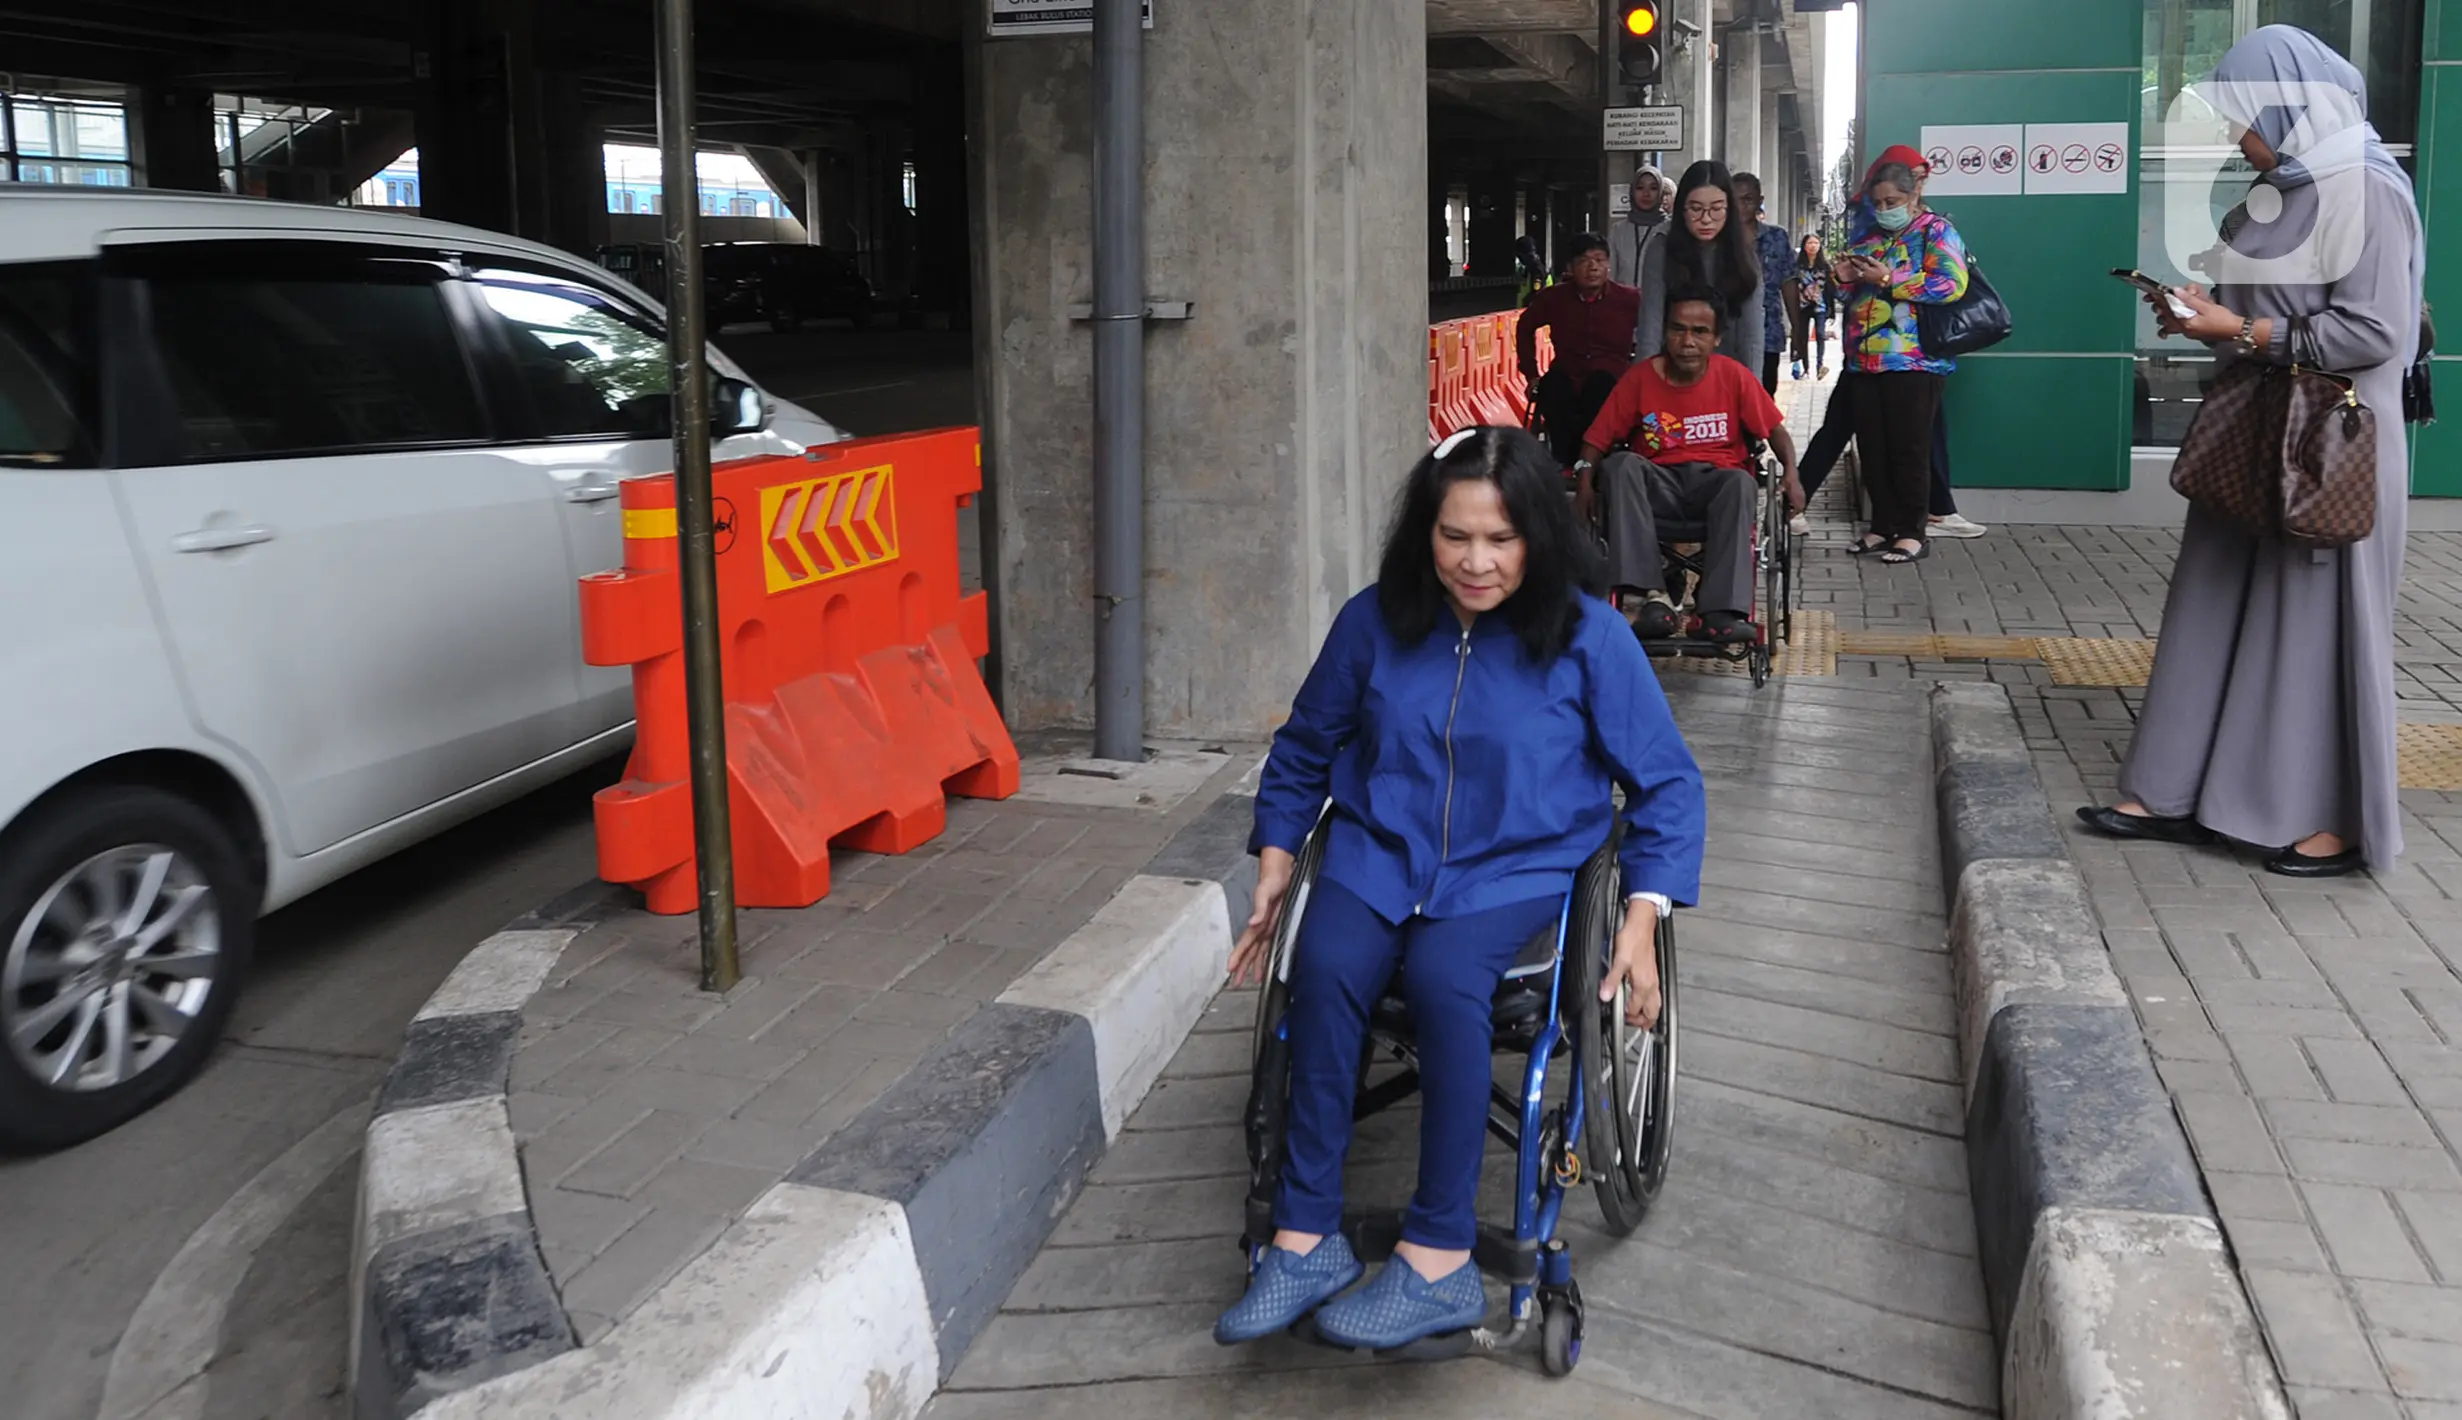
[(2311, 1034), (650, 1114), (1814, 1251)]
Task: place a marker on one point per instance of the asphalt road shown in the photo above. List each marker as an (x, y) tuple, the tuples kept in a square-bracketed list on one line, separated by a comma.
[(193, 1265)]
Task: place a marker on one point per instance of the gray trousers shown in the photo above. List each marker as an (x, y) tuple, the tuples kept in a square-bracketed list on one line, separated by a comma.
[(1637, 495)]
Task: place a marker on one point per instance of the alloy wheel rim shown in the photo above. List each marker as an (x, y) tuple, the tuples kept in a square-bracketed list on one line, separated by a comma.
[(108, 970)]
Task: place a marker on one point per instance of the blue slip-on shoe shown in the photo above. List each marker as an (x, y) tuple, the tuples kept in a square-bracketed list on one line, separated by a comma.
[(1287, 1286), (1401, 1307)]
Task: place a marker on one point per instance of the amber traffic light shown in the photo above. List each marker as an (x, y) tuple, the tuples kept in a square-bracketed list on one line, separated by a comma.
[(1637, 40)]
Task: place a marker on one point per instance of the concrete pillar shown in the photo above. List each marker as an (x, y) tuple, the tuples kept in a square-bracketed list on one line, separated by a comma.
[(171, 139), (465, 118), (1491, 227), (575, 152), (1286, 157), (1740, 63), (814, 216), (941, 253)]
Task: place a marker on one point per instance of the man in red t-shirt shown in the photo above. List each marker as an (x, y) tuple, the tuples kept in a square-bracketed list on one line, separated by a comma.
[(1590, 350), (1685, 413)]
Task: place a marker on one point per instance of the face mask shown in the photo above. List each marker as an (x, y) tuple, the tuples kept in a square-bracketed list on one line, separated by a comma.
[(1894, 219)]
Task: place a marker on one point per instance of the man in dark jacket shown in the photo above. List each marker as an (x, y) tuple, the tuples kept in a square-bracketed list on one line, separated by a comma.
[(1592, 350)]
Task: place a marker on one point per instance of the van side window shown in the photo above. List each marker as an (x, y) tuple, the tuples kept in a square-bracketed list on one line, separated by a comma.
[(318, 358), (46, 365), (591, 368)]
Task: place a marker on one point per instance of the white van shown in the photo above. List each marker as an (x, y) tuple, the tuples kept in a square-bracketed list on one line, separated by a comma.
[(292, 503)]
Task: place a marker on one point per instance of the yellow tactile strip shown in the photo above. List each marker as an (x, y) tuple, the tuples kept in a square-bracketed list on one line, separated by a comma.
[(2082, 660), (1934, 646), (2429, 756)]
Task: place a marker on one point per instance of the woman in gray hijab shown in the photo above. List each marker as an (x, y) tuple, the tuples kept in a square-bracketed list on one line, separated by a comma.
[(2269, 717)]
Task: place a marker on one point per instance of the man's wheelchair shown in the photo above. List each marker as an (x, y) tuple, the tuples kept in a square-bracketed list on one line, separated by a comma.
[(1609, 1123), (1777, 557)]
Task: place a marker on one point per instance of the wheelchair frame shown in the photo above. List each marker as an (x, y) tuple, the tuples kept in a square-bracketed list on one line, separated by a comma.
[(1558, 1143), (1776, 555)]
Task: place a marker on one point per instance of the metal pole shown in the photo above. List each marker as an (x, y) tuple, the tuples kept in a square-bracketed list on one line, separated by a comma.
[(704, 694), (1119, 380), (1608, 81)]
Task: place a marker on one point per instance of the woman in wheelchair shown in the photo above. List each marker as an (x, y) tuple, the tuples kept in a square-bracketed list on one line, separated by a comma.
[(1467, 719)]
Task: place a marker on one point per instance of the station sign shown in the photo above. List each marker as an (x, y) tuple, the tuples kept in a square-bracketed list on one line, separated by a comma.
[(1655, 129), (1011, 18)]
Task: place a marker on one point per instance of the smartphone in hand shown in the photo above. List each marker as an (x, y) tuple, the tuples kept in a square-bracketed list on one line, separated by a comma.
[(2152, 287)]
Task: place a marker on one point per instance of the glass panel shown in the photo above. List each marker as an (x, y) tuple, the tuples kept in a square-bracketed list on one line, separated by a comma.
[(2184, 40), (44, 374), (288, 366), (590, 368)]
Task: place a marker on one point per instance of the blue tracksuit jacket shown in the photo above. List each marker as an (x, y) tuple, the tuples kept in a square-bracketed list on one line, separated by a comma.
[(1464, 776)]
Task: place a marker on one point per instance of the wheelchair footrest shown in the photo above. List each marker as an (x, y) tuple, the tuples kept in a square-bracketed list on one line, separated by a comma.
[(1450, 1346), (1374, 1232)]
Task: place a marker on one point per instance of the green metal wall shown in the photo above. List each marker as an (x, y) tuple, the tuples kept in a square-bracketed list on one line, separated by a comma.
[(2052, 407), (2436, 451)]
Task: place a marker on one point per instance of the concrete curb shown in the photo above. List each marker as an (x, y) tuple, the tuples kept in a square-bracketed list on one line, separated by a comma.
[(2111, 1291), (851, 1287)]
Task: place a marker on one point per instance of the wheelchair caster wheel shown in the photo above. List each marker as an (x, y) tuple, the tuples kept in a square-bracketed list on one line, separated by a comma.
[(1560, 1338)]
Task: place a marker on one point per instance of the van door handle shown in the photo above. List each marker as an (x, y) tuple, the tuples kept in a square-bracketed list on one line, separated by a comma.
[(221, 539), (592, 493)]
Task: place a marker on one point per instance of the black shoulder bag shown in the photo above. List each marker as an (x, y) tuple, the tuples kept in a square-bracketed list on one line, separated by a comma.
[(1975, 321)]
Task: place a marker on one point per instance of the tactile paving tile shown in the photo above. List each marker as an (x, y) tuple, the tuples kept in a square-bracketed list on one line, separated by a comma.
[(1932, 646), (1812, 651), (2080, 660), (2429, 756)]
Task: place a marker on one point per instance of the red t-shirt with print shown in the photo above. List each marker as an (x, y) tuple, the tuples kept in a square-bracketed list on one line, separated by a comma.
[(1703, 422)]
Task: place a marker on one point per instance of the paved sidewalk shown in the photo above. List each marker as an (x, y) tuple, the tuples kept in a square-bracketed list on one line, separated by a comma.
[(1814, 1251), (2311, 1034), (650, 1114)]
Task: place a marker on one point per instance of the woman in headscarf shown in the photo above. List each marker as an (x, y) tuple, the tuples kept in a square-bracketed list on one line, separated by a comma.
[(2269, 718)]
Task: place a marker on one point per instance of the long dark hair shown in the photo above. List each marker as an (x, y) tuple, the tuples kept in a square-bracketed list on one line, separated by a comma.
[(1739, 267), (1559, 563)]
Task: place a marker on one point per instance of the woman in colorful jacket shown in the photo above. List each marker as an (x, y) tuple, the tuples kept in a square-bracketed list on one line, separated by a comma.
[(1468, 717), (1908, 257)]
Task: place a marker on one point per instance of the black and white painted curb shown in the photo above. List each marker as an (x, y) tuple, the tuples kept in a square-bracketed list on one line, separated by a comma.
[(2111, 1291), (851, 1287)]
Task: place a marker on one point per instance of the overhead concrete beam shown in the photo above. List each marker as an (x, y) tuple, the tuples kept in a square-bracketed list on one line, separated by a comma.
[(1496, 17)]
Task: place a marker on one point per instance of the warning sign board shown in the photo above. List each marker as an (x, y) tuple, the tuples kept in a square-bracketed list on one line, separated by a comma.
[(2076, 157), (828, 527), (1047, 17), (1974, 159), (1656, 129)]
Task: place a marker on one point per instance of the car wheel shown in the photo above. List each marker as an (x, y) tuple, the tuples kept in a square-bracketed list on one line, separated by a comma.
[(126, 919)]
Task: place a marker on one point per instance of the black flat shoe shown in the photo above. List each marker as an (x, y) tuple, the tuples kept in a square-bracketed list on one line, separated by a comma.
[(2112, 823), (2292, 863)]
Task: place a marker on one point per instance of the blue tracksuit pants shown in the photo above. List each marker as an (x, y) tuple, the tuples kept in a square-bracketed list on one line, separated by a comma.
[(1449, 970)]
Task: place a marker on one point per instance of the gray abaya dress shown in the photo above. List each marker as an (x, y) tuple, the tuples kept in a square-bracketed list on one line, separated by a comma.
[(2270, 713)]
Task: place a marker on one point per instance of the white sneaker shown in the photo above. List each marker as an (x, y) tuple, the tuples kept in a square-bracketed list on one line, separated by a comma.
[(1800, 526), (1956, 525)]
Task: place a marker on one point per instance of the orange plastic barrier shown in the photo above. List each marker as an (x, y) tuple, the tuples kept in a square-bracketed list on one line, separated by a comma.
[(1475, 373), (853, 706)]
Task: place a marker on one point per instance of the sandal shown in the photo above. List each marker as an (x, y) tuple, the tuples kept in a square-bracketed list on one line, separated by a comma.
[(1898, 556), (1866, 545)]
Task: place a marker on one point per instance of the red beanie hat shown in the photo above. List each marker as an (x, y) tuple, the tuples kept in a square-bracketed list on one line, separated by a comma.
[(1896, 153)]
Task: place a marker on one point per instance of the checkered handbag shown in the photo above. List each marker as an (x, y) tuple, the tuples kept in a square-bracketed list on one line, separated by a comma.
[(2329, 453), (2228, 459), (2284, 451)]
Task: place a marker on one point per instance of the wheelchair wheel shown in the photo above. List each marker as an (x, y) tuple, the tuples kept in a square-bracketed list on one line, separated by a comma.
[(1560, 1339), (1628, 1127), (1269, 1089)]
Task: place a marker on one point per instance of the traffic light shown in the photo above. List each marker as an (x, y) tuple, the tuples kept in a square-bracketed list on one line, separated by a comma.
[(1638, 39)]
